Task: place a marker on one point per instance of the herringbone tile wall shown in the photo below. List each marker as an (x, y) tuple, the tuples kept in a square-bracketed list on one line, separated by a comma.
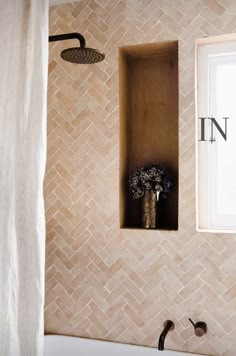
[(120, 285)]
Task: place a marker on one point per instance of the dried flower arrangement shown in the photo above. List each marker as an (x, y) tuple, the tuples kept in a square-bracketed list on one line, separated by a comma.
[(152, 178)]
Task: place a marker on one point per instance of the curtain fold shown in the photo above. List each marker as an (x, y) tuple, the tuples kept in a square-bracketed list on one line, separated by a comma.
[(23, 97)]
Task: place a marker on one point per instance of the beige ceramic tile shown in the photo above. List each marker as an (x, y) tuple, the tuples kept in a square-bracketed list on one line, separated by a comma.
[(120, 285)]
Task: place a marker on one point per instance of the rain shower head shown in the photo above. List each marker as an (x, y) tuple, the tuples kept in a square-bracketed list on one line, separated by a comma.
[(82, 54)]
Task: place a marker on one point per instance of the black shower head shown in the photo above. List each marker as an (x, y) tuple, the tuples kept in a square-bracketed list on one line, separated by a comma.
[(82, 54)]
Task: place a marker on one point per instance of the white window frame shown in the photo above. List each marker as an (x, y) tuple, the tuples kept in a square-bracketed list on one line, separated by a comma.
[(204, 48)]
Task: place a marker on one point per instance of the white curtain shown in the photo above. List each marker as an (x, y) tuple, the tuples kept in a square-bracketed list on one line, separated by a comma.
[(23, 89)]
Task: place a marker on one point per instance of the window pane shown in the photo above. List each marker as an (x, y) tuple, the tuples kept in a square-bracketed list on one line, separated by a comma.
[(222, 173), (216, 157)]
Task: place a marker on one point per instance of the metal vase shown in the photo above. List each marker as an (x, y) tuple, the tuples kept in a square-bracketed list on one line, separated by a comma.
[(149, 210)]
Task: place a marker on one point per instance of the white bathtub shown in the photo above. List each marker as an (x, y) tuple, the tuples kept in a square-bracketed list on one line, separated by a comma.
[(56, 345)]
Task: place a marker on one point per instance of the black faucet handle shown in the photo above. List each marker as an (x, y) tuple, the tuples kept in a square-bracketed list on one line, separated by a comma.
[(200, 328)]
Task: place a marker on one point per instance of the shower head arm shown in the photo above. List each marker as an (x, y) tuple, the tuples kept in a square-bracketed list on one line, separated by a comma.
[(68, 36)]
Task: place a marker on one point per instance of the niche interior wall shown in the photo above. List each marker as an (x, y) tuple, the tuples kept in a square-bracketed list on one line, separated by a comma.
[(103, 282)]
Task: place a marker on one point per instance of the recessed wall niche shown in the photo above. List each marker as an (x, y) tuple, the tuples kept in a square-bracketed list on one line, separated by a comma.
[(148, 77)]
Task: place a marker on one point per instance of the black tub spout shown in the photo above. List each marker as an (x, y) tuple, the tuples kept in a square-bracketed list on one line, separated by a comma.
[(168, 325)]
